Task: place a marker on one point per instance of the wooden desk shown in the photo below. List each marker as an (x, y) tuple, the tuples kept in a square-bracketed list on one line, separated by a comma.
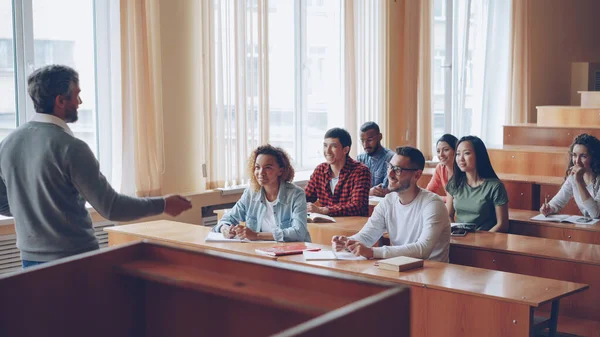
[(465, 301), (562, 260), (322, 232), (521, 223), (149, 290), (457, 292), (182, 235)]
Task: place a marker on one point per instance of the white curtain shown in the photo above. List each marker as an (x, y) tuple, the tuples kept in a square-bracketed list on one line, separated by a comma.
[(481, 53), (235, 85), (365, 64), (491, 70)]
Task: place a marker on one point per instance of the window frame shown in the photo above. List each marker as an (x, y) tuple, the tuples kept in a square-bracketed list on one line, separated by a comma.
[(107, 105)]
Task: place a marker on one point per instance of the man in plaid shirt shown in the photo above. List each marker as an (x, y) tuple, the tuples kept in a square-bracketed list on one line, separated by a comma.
[(341, 184)]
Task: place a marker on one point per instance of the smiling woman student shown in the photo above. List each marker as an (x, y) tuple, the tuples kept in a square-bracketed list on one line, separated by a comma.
[(475, 193), (446, 150), (581, 179), (272, 206)]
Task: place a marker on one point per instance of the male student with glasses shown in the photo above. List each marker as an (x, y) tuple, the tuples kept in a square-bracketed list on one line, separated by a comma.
[(415, 219)]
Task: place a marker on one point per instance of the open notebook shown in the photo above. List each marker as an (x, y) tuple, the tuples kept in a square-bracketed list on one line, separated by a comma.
[(218, 237), (331, 255), (576, 219)]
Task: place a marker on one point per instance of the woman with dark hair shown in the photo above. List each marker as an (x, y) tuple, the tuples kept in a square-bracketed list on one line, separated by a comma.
[(581, 179), (475, 193), (272, 206), (446, 150)]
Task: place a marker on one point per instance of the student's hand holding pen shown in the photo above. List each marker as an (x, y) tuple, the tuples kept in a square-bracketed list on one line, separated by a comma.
[(546, 209), (228, 231)]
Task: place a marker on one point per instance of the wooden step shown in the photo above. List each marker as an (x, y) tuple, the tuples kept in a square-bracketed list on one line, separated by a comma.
[(533, 134), (590, 99), (567, 116), (530, 160)]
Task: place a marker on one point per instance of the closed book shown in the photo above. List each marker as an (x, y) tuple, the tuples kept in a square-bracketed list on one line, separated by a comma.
[(285, 250), (400, 263)]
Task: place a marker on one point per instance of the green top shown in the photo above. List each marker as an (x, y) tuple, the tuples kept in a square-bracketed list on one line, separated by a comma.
[(478, 204)]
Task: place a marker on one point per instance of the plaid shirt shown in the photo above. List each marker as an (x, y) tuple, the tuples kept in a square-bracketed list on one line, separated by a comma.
[(351, 195)]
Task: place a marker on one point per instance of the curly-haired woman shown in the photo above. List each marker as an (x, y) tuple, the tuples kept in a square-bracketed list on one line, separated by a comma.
[(581, 179), (272, 206)]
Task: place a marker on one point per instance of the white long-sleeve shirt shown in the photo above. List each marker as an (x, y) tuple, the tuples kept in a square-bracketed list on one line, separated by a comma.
[(569, 189), (420, 229)]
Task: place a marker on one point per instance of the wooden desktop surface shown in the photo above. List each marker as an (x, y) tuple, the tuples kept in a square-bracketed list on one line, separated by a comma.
[(183, 235), (521, 223), (525, 245), (532, 291)]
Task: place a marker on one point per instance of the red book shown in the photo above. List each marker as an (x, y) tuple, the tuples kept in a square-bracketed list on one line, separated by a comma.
[(285, 250)]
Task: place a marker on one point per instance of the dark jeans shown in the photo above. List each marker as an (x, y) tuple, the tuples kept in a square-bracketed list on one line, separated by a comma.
[(30, 263)]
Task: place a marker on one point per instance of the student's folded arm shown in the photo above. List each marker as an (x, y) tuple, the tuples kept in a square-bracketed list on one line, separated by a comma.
[(435, 223), (502, 224), (236, 214), (500, 199), (85, 174), (563, 196), (299, 230), (374, 228), (4, 205), (360, 195)]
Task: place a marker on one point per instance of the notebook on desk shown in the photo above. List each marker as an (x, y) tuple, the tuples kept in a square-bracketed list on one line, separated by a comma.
[(218, 237), (285, 250), (576, 219)]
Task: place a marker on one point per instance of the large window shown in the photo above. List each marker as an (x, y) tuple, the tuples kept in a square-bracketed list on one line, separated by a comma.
[(469, 74), (35, 33), (305, 85)]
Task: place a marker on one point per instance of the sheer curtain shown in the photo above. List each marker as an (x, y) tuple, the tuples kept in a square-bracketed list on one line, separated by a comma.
[(143, 138), (235, 85), (365, 64), (480, 78), (491, 70)]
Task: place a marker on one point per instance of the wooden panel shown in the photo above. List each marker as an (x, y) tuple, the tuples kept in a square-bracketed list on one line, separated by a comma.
[(149, 290), (72, 299), (532, 134), (458, 312), (521, 223), (583, 305), (521, 195), (549, 191), (567, 116), (528, 160)]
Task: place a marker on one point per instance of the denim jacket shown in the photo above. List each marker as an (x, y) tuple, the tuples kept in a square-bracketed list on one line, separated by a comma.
[(289, 209)]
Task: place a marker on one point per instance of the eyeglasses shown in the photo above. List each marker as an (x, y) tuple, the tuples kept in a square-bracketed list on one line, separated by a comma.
[(398, 170)]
